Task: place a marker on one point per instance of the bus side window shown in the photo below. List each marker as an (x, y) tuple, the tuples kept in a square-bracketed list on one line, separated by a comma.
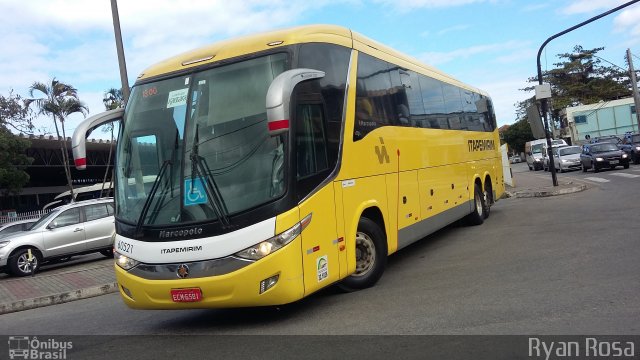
[(310, 141)]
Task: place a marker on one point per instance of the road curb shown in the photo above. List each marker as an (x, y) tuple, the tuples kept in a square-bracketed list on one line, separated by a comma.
[(546, 193), (60, 298)]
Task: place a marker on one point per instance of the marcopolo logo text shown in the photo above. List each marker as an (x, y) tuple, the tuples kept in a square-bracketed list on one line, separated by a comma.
[(179, 233)]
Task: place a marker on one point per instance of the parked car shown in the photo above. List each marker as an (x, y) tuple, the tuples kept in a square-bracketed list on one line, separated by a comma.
[(15, 226), (633, 141), (515, 159), (73, 229), (602, 155), (567, 158)]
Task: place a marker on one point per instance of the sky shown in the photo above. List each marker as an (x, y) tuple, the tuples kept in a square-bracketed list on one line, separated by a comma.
[(490, 44)]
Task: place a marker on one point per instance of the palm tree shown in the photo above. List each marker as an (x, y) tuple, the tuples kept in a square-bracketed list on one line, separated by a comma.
[(59, 101), (112, 100)]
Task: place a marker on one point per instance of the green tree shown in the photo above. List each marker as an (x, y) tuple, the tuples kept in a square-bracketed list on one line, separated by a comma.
[(59, 101), (579, 78), (112, 100), (13, 160), (14, 115), (517, 135)]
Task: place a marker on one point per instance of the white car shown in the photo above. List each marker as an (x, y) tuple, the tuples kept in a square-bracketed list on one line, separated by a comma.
[(76, 228), (567, 158)]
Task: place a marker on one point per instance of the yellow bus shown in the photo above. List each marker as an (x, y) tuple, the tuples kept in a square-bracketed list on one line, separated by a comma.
[(259, 170)]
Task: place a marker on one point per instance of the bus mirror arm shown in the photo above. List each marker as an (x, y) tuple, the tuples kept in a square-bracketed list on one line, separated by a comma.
[(79, 138), (279, 97)]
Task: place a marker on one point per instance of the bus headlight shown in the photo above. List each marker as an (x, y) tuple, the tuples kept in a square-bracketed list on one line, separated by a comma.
[(269, 246), (124, 262)]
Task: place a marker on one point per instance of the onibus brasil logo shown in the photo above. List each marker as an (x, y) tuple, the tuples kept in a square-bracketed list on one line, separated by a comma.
[(25, 347)]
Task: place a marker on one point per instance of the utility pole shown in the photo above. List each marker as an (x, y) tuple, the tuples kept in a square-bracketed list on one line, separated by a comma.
[(121, 62), (634, 86)]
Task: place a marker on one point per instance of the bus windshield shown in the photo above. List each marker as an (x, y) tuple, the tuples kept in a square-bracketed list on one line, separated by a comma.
[(201, 141)]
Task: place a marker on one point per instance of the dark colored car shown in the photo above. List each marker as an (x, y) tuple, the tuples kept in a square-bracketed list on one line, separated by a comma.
[(614, 139), (602, 155), (633, 141)]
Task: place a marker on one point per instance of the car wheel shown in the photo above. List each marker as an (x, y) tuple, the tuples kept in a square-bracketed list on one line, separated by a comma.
[(626, 166), (371, 256), (107, 252), (636, 159), (19, 262), (595, 168), (584, 168)]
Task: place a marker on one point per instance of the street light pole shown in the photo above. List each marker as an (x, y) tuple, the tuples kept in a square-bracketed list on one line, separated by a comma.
[(544, 102), (120, 49)]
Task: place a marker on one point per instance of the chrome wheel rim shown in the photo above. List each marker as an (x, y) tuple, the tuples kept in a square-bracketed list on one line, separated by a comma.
[(365, 254), (23, 263)]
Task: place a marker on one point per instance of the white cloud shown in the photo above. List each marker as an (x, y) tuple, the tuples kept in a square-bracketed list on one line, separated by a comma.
[(439, 58), (588, 6), (408, 5), (455, 28), (504, 94)]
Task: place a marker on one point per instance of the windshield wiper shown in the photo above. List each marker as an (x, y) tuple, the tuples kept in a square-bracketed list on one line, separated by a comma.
[(152, 193), (199, 168)]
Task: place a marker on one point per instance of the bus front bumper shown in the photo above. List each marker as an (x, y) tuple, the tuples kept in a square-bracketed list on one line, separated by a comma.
[(240, 288)]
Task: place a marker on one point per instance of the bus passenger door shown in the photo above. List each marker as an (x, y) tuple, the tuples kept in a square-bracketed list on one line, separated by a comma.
[(317, 198)]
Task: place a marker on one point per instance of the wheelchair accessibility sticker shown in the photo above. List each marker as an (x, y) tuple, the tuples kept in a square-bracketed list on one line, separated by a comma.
[(194, 193)]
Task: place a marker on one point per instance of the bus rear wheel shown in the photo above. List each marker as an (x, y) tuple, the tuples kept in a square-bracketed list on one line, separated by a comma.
[(478, 215), (371, 257)]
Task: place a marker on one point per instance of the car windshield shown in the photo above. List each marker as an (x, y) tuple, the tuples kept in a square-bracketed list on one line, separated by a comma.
[(201, 141), (569, 150), (603, 147), (43, 220), (536, 149)]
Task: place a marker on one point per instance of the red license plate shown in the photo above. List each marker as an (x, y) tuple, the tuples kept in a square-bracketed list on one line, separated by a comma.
[(186, 295)]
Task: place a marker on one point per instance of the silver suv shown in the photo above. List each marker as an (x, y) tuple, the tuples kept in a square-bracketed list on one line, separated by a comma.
[(76, 228)]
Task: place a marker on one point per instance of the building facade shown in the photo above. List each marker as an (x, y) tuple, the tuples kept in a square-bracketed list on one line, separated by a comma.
[(614, 117)]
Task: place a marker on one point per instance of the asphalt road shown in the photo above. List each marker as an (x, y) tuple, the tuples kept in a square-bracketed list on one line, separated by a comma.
[(559, 265)]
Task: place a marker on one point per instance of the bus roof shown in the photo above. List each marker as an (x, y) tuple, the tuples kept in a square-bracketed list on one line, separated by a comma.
[(334, 34)]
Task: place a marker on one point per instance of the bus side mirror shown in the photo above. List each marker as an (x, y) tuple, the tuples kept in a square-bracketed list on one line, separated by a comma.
[(79, 138), (279, 97)]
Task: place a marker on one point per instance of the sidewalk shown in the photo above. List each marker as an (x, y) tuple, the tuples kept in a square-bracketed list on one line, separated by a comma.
[(539, 184), (17, 294)]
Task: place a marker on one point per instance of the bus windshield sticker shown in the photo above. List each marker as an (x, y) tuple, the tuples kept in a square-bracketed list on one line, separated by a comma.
[(194, 192), (348, 183), (177, 98), (323, 268)]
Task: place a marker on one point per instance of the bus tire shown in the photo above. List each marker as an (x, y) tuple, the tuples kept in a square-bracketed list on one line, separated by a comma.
[(487, 198), (371, 257), (478, 215)]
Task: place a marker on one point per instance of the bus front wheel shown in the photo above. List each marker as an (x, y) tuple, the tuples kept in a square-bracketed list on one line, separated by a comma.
[(371, 256)]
